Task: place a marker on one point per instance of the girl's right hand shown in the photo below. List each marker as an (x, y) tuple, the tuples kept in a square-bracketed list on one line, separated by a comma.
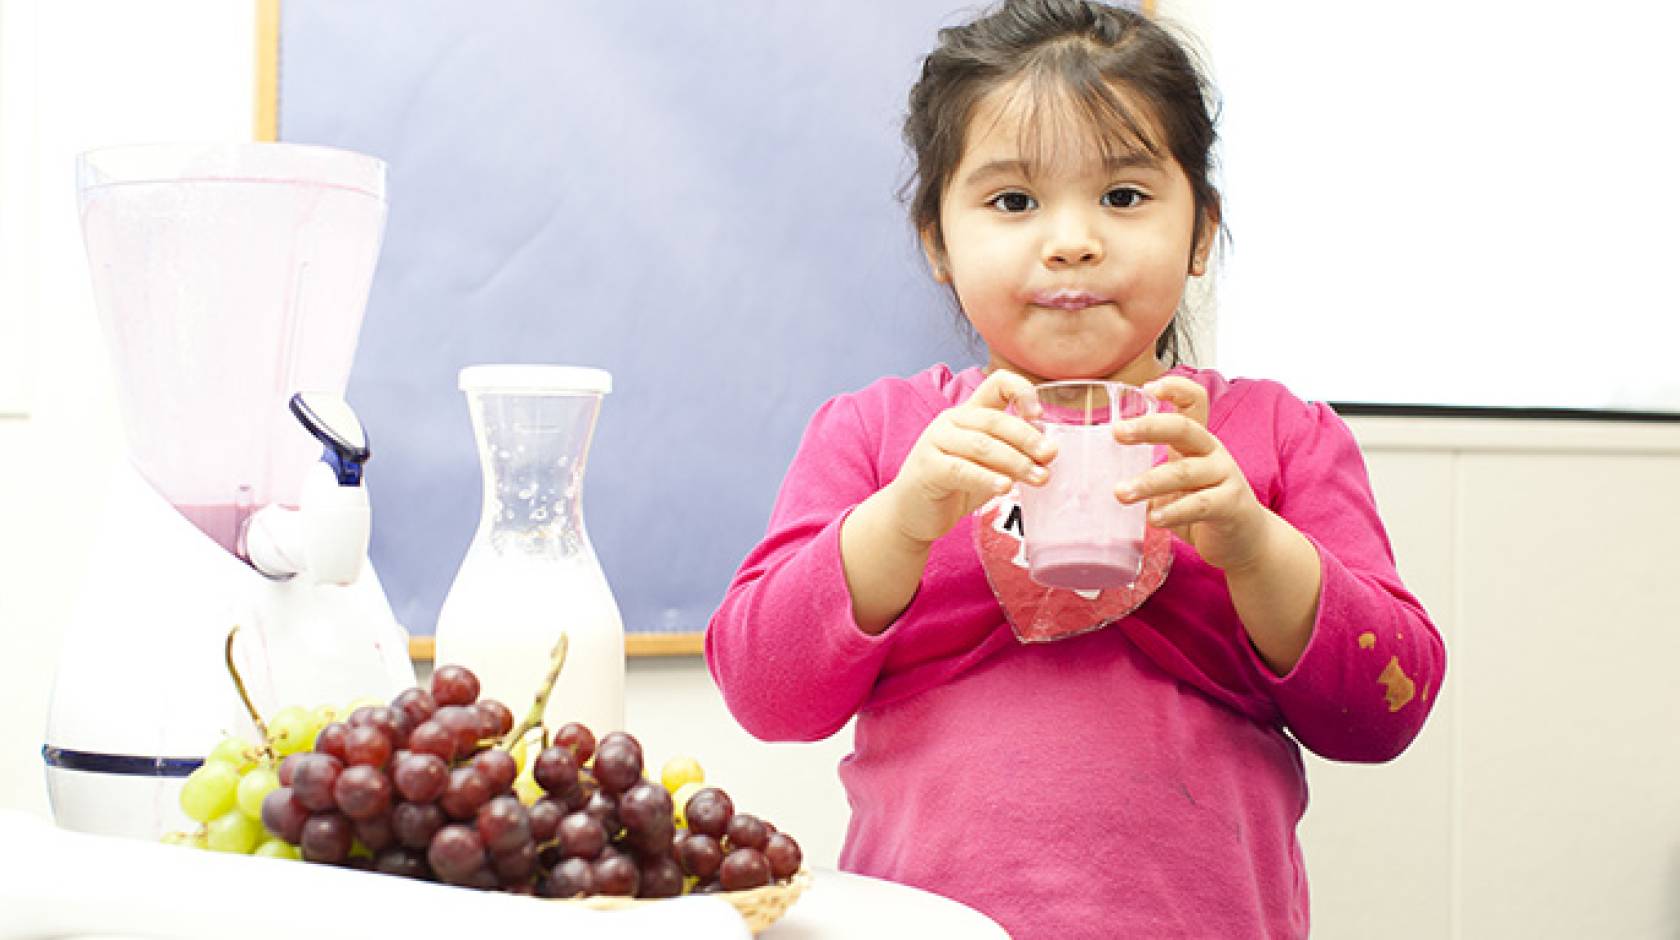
[(970, 453)]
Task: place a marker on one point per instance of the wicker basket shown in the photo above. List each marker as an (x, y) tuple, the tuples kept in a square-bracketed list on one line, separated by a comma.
[(759, 907)]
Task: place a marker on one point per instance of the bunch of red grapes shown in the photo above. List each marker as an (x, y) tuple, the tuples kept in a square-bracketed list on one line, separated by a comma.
[(420, 788)]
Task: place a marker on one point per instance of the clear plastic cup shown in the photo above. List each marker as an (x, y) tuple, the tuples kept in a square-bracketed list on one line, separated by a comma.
[(1077, 534)]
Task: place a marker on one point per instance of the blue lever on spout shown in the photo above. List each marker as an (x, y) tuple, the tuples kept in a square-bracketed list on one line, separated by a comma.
[(332, 422)]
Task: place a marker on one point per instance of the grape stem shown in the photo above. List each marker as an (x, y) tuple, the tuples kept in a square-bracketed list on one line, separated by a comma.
[(534, 717), (244, 696)]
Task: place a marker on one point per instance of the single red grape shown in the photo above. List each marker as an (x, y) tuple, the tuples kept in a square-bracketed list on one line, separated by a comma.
[(362, 792), (466, 792), (504, 824), (578, 739), (700, 855), (616, 875), (313, 778), (287, 765), (498, 720), (367, 744), (283, 815), (659, 878), (420, 778), (454, 685), (746, 831), (330, 740), (516, 866), (555, 770), (463, 728), (570, 878), (416, 703), (546, 814), (431, 737), (498, 768), (645, 808), (783, 854), (618, 765), (581, 835), (414, 824), (708, 812), (375, 832), (327, 838), (743, 869), (457, 854)]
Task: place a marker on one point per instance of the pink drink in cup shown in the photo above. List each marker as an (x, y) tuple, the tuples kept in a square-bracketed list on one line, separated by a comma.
[(1077, 534)]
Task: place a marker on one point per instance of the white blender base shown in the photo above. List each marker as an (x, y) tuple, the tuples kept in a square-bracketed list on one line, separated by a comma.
[(143, 674), (55, 883)]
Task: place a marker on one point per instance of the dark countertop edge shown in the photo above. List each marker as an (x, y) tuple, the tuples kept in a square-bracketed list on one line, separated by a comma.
[(1352, 409)]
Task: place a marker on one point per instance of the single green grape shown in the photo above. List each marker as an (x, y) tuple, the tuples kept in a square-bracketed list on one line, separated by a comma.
[(256, 784), (289, 730), (234, 832), (236, 752), (209, 791), (679, 802), (278, 848), (525, 786), (324, 715), (680, 770)]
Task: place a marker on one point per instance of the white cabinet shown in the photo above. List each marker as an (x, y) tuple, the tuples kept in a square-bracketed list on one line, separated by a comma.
[(1543, 797)]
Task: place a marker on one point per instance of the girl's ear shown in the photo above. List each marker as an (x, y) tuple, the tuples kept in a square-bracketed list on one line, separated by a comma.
[(1208, 231), (935, 256)]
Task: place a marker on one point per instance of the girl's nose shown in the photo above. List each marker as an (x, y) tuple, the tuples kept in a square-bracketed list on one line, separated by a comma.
[(1071, 245)]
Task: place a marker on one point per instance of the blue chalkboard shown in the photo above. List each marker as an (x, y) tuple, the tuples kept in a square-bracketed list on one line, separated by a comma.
[(699, 198)]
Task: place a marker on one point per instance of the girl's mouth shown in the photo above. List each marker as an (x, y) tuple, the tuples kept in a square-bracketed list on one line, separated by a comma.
[(1067, 299)]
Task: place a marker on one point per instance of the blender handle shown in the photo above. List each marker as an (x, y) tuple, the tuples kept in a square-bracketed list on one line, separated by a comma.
[(331, 421)]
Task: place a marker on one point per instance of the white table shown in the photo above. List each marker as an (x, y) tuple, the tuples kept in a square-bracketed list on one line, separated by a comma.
[(167, 891), (843, 905)]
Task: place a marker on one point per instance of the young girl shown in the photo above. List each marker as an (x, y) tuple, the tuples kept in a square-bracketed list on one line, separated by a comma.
[(1139, 780)]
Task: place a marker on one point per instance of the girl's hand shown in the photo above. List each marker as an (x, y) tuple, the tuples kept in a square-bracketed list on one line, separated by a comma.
[(1200, 493), (969, 454)]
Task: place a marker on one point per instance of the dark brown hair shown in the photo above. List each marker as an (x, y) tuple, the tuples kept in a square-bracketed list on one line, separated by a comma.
[(1065, 52)]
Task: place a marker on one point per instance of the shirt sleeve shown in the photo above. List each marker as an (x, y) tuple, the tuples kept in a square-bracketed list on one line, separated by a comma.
[(783, 647), (1374, 663)]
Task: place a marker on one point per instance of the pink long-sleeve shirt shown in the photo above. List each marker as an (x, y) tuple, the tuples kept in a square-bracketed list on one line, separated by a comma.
[(1139, 780)]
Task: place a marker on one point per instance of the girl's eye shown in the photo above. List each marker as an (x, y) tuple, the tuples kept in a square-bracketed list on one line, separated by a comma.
[(1123, 197), (1013, 202)]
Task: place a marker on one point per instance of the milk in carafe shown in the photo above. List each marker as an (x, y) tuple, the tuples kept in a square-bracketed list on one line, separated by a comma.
[(502, 618)]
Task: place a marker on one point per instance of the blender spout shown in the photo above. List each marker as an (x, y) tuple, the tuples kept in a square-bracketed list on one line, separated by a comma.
[(327, 535)]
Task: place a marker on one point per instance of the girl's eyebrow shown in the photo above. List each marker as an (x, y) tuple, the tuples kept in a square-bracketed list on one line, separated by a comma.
[(1137, 159)]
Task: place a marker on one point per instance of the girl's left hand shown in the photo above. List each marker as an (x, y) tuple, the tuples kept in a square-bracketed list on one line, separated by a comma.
[(1199, 493)]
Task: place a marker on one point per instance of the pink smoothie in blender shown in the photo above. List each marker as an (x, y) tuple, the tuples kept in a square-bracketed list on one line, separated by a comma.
[(208, 343)]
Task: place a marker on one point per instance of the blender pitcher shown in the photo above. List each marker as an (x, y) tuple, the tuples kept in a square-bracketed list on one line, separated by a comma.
[(230, 281), (531, 572)]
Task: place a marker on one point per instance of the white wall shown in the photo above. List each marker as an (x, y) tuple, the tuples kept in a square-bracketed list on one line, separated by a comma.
[(1446, 182), (77, 74)]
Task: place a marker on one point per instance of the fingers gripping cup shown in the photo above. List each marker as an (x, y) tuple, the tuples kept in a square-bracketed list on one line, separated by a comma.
[(1077, 534)]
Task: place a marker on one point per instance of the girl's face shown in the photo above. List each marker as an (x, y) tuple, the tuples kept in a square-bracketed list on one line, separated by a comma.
[(1069, 264)]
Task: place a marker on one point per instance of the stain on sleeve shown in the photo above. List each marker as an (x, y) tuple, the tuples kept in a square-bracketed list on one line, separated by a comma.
[(1398, 688)]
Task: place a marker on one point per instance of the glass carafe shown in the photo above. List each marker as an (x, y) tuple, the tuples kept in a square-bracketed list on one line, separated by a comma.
[(531, 571)]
